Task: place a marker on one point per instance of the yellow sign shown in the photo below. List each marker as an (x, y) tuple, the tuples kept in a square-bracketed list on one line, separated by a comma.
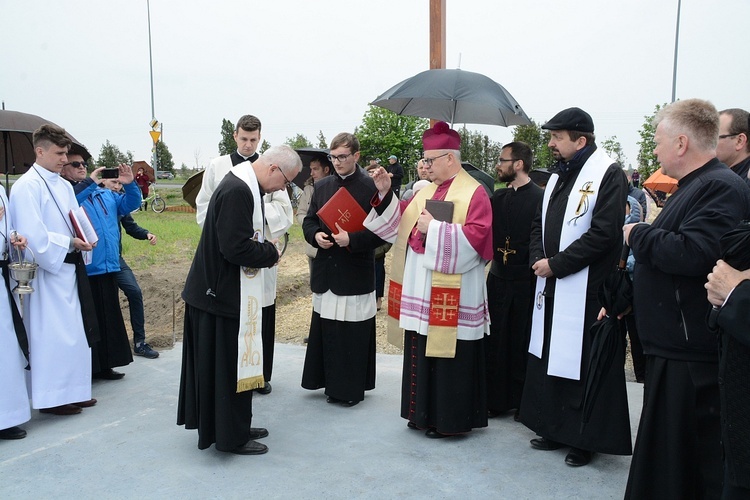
[(155, 135)]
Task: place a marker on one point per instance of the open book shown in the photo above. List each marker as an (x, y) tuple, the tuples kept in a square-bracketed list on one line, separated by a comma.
[(82, 225)]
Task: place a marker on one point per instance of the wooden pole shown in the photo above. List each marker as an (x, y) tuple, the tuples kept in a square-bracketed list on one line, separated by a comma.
[(437, 34), (437, 37)]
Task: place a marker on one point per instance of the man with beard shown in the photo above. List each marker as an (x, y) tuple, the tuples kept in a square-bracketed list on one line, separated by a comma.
[(575, 243), (509, 284)]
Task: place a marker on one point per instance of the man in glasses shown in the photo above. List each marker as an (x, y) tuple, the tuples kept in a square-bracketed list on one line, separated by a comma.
[(341, 348), (279, 218), (509, 283), (437, 292), (575, 243), (733, 148), (222, 360), (74, 171)]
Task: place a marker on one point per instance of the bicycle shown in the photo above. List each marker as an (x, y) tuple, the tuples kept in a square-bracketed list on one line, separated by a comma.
[(158, 204)]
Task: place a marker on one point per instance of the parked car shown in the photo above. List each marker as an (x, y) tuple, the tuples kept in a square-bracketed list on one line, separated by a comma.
[(165, 174)]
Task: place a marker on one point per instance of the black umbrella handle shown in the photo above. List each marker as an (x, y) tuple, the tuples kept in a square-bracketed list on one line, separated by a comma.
[(624, 257)]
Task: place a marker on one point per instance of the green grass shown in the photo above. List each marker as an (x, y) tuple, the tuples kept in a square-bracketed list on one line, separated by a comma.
[(178, 236)]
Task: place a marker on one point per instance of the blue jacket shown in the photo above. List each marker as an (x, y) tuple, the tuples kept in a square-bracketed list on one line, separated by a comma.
[(104, 207)]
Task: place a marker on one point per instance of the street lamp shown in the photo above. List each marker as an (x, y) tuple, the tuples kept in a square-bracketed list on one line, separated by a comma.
[(676, 43)]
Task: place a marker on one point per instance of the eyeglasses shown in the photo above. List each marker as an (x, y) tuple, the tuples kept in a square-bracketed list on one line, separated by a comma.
[(288, 183), (724, 136), (77, 164), (428, 161), (339, 158), (500, 160)]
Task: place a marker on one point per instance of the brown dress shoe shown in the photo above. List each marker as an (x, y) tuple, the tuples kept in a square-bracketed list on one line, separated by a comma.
[(85, 404), (62, 410)]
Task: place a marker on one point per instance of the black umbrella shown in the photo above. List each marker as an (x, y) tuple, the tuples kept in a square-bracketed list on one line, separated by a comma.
[(16, 149), (307, 155), (191, 188), (481, 177), (607, 356), (733, 248), (454, 96)]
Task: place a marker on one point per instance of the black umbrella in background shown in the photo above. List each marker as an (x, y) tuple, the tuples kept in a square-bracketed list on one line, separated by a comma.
[(734, 251), (16, 149), (307, 155), (607, 356)]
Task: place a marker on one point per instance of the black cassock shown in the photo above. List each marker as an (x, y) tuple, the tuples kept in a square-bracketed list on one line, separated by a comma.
[(552, 406), (510, 289)]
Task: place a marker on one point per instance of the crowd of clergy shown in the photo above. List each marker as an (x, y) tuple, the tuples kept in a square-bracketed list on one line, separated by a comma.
[(495, 300)]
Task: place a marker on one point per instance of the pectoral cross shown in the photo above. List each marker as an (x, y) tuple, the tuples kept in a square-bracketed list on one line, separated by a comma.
[(506, 251), (585, 192)]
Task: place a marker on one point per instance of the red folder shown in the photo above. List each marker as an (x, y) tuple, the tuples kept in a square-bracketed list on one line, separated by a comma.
[(343, 209)]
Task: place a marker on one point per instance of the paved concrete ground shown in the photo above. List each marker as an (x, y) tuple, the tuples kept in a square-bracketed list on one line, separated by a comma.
[(128, 446)]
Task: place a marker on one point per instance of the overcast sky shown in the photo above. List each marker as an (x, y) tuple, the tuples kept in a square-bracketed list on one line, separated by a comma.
[(303, 66)]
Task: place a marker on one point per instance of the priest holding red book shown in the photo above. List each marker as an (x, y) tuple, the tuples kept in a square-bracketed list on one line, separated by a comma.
[(437, 291), (341, 348)]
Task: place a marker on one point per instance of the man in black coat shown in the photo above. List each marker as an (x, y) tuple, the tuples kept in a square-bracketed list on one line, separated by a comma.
[(341, 348), (397, 174), (230, 259), (729, 294), (510, 287), (575, 242), (733, 148), (678, 449)]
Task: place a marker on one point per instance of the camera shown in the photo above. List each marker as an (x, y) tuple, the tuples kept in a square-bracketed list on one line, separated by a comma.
[(110, 173)]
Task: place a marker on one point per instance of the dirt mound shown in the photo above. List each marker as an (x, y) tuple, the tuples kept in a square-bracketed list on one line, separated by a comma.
[(165, 309)]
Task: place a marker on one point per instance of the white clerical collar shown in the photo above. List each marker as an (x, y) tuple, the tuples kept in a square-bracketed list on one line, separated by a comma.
[(246, 158), (46, 174)]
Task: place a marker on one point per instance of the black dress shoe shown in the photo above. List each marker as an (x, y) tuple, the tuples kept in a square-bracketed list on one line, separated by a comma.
[(544, 444), (332, 400), (578, 457), (258, 433), (412, 425), (12, 433), (266, 389), (517, 416), (493, 413), (432, 433), (250, 448), (108, 374)]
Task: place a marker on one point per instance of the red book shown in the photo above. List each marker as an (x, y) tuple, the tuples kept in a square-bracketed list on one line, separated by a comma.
[(82, 225), (343, 209)]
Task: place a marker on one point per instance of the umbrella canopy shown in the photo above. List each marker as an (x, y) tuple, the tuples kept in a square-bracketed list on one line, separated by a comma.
[(659, 185), (481, 177), (454, 96), (191, 188), (147, 169), (605, 377), (16, 149), (307, 155)]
